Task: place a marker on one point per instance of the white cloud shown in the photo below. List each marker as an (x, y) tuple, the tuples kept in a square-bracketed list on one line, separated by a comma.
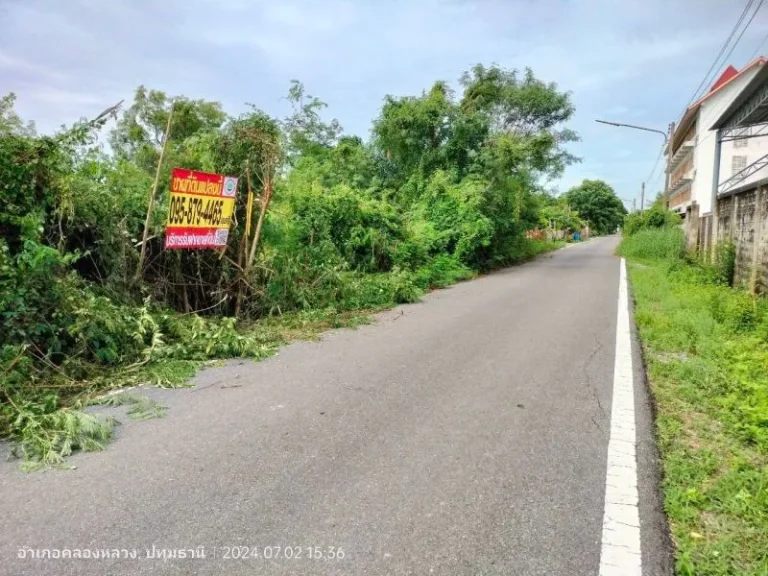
[(65, 97), (16, 64), (324, 17)]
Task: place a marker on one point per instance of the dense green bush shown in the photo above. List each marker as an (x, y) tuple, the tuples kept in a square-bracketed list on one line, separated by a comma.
[(597, 203), (441, 271), (447, 187), (657, 216)]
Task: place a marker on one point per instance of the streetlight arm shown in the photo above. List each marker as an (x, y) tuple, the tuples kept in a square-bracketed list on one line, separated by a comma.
[(666, 144), (635, 127)]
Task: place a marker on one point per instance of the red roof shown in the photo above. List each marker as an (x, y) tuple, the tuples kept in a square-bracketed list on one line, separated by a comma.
[(726, 77), (727, 74)]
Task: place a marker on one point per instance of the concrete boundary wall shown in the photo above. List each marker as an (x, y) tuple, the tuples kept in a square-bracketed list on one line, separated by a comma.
[(743, 220)]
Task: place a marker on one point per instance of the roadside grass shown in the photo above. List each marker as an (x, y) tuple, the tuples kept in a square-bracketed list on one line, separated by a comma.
[(48, 423), (654, 243), (538, 247), (706, 350)]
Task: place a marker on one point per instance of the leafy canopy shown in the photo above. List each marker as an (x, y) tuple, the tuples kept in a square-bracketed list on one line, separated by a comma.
[(598, 204), (448, 185), (657, 216)]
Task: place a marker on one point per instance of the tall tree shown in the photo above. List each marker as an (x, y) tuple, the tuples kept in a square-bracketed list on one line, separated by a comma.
[(523, 118), (305, 131), (597, 203), (10, 122), (140, 130), (412, 131)]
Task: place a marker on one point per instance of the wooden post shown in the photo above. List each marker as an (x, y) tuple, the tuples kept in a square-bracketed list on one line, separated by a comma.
[(267, 167), (243, 250), (265, 198), (244, 266), (248, 208), (152, 194)]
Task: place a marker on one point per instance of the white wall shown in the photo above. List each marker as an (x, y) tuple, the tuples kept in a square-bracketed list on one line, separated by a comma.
[(704, 152), (755, 149)]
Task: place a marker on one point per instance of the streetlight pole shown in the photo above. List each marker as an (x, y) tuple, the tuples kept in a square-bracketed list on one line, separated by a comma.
[(667, 136)]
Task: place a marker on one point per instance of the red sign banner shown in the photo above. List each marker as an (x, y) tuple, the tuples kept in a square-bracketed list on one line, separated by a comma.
[(200, 211)]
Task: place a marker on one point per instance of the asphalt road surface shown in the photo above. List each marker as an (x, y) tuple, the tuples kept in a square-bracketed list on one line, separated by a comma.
[(464, 435)]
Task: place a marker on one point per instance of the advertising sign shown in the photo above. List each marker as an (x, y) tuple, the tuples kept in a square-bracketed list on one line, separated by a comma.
[(200, 210)]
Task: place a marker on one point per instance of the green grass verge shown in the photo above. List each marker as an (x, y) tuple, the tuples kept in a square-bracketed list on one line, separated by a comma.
[(706, 349), (661, 243), (538, 247)]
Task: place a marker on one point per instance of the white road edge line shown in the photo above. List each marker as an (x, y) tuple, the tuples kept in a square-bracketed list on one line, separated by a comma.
[(620, 549)]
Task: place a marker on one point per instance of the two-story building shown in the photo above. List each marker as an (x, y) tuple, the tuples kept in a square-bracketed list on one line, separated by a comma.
[(693, 144)]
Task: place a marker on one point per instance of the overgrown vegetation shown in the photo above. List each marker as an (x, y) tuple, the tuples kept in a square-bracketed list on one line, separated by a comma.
[(657, 216), (447, 186), (138, 407), (706, 348), (655, 244), (597, 203)]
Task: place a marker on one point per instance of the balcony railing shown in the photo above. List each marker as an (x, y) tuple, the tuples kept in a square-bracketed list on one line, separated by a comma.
[(680, 183), (678, 201), (682, 153)]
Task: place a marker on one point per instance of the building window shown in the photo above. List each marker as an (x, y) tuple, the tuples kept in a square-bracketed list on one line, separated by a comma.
[(740, 135), (738, 163)]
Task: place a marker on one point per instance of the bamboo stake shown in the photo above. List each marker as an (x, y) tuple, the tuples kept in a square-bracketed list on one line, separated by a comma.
[(248, 208), (151, 203), (242, 265), (257, 235), (267, 165), (255, 243)]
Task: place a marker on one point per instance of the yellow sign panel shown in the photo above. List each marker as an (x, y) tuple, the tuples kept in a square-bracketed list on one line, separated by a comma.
[(201, 209), (195, 211)]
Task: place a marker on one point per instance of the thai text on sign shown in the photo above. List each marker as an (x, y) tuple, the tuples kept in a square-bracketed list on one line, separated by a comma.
[(200, 210)]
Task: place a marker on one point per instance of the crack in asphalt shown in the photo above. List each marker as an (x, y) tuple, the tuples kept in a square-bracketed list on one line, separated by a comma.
[(589, 385)]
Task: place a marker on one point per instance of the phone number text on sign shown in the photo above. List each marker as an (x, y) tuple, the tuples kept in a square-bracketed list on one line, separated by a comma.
[(200, 209), (193, 211)]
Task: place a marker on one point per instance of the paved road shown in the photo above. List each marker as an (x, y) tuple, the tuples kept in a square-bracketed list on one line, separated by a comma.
[(465, 435)]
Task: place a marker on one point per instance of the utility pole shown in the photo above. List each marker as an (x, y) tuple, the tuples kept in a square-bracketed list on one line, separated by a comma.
[(634, 204), (669, 162), (642, 198)]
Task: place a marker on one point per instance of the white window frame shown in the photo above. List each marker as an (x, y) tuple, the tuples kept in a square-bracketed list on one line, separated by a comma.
[(738, 163), (740, 134)]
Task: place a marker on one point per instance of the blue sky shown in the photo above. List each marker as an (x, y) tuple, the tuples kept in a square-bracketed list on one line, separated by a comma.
[(636, 61)]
